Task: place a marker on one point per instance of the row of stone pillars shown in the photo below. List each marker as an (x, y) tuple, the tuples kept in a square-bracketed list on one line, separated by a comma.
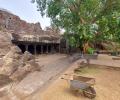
[(52, 48)]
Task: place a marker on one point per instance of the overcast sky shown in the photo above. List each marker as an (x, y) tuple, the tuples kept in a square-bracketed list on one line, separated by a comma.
[(25, 10)]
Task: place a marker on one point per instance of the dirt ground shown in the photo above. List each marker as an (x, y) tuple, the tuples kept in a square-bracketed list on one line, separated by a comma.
[(52, 66), (107, 81), (107, 86)]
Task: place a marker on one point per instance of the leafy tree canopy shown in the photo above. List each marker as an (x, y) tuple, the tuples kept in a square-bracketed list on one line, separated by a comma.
[(86, 20)]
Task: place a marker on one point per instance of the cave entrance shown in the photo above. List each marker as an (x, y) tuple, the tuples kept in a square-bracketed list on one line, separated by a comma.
[(31, 49), (22, 47), (38, 49), (56, 48), (44, 48), (49, 49)]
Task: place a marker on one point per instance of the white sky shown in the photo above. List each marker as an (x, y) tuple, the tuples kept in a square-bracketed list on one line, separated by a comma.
[(25, 10)]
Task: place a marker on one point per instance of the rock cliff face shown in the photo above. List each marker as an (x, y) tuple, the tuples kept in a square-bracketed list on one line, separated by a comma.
[(5, 42), (10, 21)]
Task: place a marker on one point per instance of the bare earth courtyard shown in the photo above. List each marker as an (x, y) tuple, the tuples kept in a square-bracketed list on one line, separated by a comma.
[(48, 85), (52, 66), (107, 86)]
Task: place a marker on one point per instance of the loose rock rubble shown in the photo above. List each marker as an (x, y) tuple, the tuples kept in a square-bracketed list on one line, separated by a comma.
[(17, 65)]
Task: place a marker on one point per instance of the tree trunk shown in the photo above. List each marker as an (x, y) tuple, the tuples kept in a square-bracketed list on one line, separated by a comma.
[(85, 47)]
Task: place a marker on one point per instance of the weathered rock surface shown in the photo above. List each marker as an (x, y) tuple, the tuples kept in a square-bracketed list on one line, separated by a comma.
[(5, 42), (13, 22), (27, 86), (16, 65), (11, 61), (27, 56)]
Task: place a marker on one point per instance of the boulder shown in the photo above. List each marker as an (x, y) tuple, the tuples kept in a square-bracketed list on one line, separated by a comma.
[(22, 71), (27, 56), (11, 61), (27, 64), (11, 55), (9, 67), (16, 49), (31, 67), (17, 65)]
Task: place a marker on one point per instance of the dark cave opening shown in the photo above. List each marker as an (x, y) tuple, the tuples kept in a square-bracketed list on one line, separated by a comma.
[(49, 48), (22, 47), (44, 49), (38, 49), (31, 49)]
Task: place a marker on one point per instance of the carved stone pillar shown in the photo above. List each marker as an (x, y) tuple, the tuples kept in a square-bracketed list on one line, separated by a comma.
[(26, 47), (41, 49), (35, 51)]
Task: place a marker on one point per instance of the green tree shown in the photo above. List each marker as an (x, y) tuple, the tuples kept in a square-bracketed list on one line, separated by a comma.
[(83, 20)]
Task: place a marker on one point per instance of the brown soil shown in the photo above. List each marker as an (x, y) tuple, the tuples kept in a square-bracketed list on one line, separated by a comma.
[(107, 87)]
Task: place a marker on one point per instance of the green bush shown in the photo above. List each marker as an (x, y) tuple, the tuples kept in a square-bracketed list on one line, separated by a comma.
[(90, 50)]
